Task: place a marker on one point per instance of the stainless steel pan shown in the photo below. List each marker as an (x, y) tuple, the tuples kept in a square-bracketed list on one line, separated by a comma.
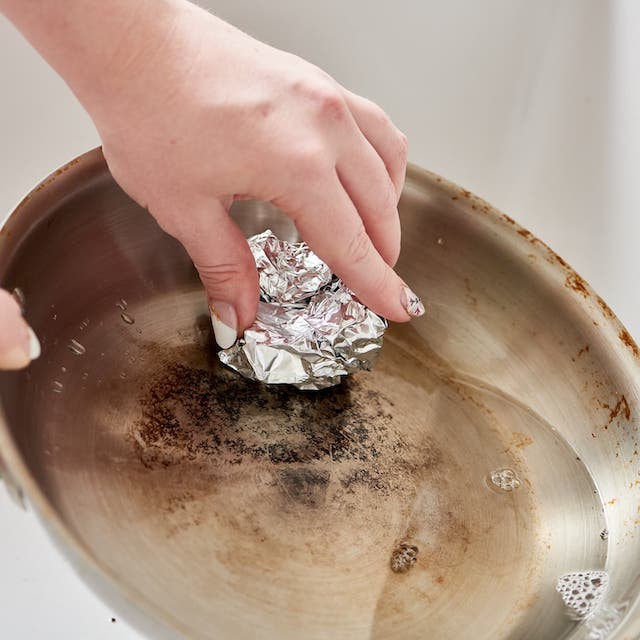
[(497, 435)]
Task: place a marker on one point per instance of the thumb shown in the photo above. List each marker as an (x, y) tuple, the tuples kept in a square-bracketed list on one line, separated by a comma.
[(18, 343), (221, 255)]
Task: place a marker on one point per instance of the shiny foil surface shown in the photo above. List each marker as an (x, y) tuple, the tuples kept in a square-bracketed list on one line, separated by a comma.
[(310, 330)]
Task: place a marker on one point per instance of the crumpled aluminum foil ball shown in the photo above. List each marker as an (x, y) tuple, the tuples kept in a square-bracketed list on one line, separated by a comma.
[(310, 330)]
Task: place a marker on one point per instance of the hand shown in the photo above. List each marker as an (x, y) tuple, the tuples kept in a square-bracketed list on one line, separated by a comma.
[(194, 114), (18, 342)]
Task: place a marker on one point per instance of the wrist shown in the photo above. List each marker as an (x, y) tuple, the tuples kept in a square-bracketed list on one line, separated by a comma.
[(109, 84), (99, 48)]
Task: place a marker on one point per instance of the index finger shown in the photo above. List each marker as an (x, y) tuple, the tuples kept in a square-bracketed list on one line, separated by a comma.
[(329, 223)]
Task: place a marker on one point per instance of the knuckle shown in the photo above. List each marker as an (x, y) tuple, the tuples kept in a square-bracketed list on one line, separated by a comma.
[(403, 146), (220, 275), (326, 101), (359, 247), (380, 115)]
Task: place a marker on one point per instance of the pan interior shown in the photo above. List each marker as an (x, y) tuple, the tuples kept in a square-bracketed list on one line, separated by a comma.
[(244, 511), (247, 507)]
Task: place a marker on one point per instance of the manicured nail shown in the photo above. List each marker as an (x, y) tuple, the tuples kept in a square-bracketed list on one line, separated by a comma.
[(34, 345), (411, 303), (225, 323)]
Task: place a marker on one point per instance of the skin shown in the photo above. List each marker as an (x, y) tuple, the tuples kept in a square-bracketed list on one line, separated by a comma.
[(194, 114)]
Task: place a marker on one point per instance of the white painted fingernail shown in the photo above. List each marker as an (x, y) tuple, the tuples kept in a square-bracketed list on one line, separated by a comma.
[(225, 323), (411, 303), (34, 345)]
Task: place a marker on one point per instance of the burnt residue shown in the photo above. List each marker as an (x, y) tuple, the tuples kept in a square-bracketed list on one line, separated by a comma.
[(561, 261), (216, 420), (584, 349), (577, 284), (605, 307), (620, 408), (628, 341), (305, 486), (372, 478), (404, 557), (191, 412)]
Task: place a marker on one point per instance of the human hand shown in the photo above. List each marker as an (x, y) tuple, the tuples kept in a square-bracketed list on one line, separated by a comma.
[(193, 114), (18, 343)]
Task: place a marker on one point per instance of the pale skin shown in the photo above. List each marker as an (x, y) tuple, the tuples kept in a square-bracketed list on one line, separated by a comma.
[(194, 113)]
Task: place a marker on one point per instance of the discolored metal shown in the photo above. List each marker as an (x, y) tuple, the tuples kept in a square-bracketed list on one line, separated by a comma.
[(497, 436)]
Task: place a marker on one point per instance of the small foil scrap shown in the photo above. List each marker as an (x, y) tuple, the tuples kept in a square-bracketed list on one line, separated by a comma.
[(310, 330)]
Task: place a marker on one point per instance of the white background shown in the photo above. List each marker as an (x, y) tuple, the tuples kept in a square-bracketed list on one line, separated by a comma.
[(534, 106)]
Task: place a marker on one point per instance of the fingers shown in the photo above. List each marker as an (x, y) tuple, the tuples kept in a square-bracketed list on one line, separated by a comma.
[(222, 257), (329, 222), (388, 141), (364, 177), (18, 343)]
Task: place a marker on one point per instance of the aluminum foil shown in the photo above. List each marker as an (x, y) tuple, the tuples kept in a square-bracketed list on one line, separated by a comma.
[(310, 330)]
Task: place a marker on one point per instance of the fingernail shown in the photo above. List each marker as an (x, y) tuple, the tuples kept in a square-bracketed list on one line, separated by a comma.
[(34, 345), (20, 356), (225, 323), (411, 303)]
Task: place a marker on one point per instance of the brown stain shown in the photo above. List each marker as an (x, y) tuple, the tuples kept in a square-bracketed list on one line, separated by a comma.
[(584, 349), (629, 342), (612, 501), (605, 307), (620, 408), (268, 478), (508, 219), (305, 486), (561, 261), (23, 202), (525, 233), (530, 602), (315, 447), (478, 204), (577, 284), (520, 440)]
